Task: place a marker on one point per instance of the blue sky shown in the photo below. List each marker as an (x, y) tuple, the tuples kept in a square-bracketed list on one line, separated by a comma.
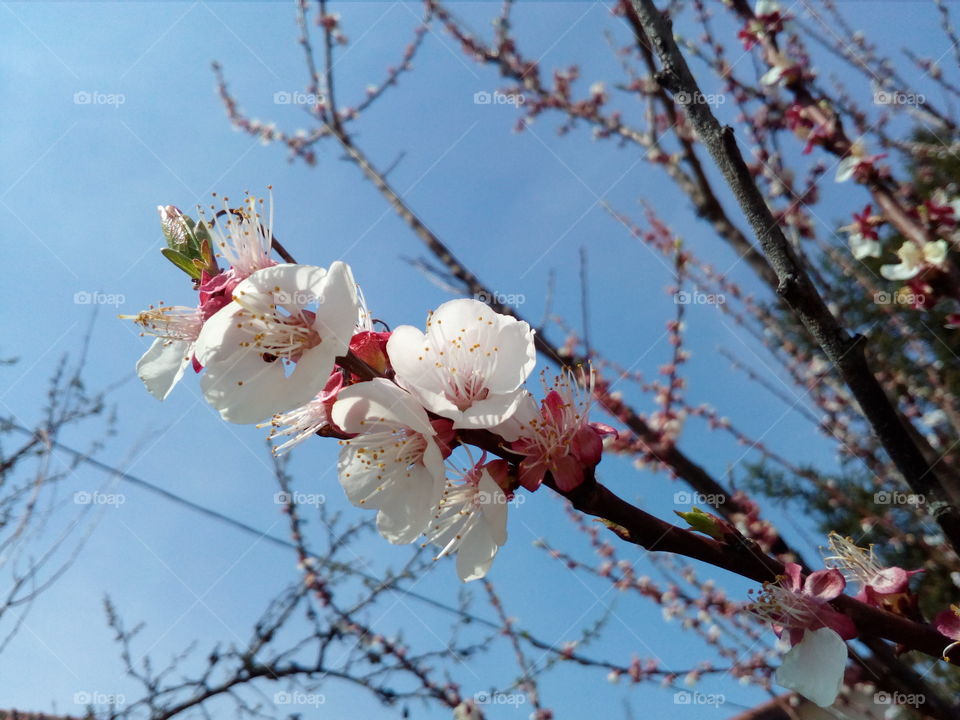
[(78, 189)]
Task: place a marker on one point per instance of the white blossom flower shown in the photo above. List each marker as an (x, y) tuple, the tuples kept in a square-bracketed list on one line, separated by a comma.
[(471, 521), (469, 365), (394, 465), (467, 710), (773, 76), (267, 351), (176, 329), (846, 168), (862, 247), (814, 667), (914, 257)]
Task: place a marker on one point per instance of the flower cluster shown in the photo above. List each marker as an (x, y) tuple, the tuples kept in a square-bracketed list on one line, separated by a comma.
[(923, 264), (293, 347)]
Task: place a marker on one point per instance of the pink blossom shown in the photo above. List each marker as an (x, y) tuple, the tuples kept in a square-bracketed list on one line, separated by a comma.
[(216, 291), (879, 586), (560, 439), (947, 623), (796, 604)]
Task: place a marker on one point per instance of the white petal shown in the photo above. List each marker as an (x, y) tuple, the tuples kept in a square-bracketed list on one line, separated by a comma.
[(411, 358), (815, 666), (299, 285), (519, 422), (495, 509), (360, 479), (517, 356), (339, 306), (495, 410), (163, 364), (845, 169), (901, 271), (475, 553), (245, 389), (772, 76), (220, 338), (309, 376), (407, 506), (379, 405), (935, 252), (461, 313), (861, 247)]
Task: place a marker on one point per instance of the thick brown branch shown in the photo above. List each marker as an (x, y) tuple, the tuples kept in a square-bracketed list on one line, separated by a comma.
[(656, 535)]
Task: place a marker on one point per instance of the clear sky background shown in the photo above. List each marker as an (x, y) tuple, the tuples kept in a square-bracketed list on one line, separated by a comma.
[(79, 184)]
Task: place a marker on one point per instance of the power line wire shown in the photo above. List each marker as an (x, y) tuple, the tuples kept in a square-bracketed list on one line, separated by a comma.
[(236, 524)]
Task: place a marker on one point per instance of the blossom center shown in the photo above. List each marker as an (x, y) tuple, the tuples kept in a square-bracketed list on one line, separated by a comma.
[(275, 333)]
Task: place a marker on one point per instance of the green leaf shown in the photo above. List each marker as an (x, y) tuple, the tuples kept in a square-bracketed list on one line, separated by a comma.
[(703, 522), (182, 261)]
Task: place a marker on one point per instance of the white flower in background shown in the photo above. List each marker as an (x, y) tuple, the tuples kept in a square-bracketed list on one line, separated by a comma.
[(773, 76), (766, 7), (471, 520), (467, 710), (914, 257), (862, 247), (176, 329), (846, 168), (857, 163), (394, 465), (468, 366), (269, 330), (814, 667)]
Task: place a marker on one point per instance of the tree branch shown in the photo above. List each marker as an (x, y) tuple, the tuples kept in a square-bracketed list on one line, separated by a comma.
[(795, 286)]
